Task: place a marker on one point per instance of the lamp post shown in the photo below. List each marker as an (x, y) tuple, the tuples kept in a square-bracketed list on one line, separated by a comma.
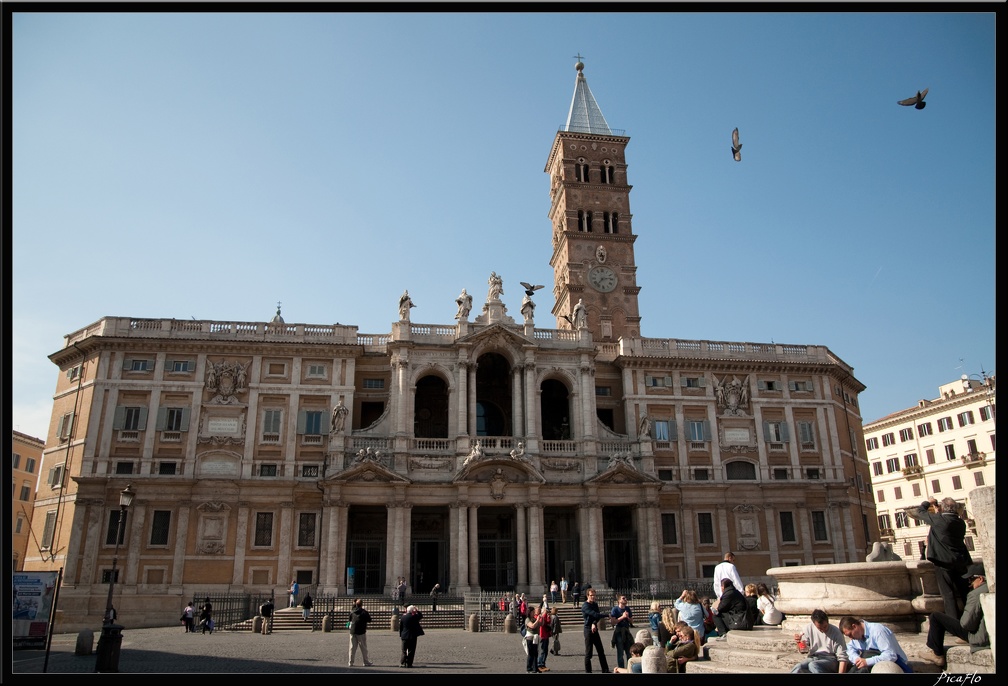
[(111, 634)]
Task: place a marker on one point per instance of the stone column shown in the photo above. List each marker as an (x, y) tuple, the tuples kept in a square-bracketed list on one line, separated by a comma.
[(473, 547), (241, 542), (181, 533), (471, 403), (522, 562), (342, 511), (460, 544), (531, 394), (462, 403), (537, 566), (330, 571), (517, 398), (585, 529)]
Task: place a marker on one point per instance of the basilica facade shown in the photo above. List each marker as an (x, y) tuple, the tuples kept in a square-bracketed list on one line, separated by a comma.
[(490, 453)]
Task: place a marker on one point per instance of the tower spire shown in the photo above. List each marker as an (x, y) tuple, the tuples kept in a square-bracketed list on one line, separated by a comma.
[(584, 115)]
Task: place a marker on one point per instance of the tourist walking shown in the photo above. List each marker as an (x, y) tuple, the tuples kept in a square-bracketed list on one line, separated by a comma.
[(433, 597), (554, 590), (294, 588), (556, 628), (306, 606), (592, 640), (189, 618), (409, 630), (206, 617), (359, 618), (401, 591)]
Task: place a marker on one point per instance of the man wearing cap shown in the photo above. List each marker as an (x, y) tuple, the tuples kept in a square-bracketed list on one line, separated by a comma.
[(946, 549), (970, 627)]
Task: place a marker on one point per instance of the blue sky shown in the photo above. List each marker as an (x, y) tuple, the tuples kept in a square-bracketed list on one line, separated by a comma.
[(208, 165)]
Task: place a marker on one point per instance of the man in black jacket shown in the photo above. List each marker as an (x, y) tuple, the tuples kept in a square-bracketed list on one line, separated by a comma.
[(409, 631), (592, 616), (731, 612), (946, 548)]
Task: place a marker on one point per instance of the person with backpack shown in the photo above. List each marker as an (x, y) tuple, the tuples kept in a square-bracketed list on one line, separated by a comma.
[(359, 618), (266, 610)]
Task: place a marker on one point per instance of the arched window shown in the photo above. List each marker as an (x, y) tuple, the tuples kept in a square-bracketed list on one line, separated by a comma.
[(740, 470)]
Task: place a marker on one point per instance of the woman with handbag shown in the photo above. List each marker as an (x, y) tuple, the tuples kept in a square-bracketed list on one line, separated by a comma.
[(532, 623)]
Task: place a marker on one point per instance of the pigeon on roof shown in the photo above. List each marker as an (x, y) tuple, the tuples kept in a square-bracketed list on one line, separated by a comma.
[(917, 101), (736, 147), (529, 288)]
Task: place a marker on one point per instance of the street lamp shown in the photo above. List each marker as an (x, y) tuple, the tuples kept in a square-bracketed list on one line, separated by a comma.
[(111, 634)]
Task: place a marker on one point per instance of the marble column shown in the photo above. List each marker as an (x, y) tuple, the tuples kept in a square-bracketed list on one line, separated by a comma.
[(474, 547), (522, 562)]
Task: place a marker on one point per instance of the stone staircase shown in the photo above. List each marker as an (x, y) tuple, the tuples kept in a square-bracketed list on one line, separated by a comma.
[(769, 649)]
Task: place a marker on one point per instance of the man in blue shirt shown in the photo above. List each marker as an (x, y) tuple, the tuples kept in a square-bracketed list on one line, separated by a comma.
[(871, 643)]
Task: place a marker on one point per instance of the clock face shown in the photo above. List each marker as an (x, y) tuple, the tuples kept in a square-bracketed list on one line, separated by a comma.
[(602, 278)]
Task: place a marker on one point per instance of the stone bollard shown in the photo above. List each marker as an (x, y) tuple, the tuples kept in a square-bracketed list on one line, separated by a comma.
[(85, 642), (644, 637), (886, 667), (327, 622), (474, 625), (394, 622), (653, 661), (510, 626), (257, 623)]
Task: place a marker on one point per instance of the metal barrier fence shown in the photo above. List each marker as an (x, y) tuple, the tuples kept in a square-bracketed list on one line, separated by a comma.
[(232, 610)]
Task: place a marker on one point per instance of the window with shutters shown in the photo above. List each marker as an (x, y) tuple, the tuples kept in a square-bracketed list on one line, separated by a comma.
[(49, 530)]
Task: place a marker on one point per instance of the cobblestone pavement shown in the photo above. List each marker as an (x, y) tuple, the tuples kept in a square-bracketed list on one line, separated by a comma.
[(172, 651)]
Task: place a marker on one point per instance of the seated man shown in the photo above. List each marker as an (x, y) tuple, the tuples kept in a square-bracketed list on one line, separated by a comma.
[(633, 665), (732, 611), (826, 646), (871, 643), (970, 627)]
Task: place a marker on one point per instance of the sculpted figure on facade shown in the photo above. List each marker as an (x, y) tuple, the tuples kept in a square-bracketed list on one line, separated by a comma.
[(732, 396), (339, 415), (464, 302), (405, 303), (496, 287), (580, 315), (519, 452), (527, 309)]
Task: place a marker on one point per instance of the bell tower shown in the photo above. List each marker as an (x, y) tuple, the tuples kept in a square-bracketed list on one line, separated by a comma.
[(593, 239)]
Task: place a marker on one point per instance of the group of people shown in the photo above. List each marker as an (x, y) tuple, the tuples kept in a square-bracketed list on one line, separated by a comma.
[(205, 617)]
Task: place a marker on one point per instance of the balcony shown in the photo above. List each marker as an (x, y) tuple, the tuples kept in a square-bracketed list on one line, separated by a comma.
[(913, 470), (887, 533), (974, 459)]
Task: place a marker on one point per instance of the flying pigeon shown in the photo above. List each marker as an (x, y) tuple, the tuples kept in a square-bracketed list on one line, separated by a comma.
[(529, 288), (736, 147), (917, 101)]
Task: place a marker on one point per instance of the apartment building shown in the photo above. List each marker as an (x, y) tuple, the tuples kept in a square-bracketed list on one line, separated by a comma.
[(940, 448), (25, 459)]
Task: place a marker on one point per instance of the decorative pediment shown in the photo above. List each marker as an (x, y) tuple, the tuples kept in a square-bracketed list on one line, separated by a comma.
[(495, 337), (622, 471), (493, 469), (368, 471)]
